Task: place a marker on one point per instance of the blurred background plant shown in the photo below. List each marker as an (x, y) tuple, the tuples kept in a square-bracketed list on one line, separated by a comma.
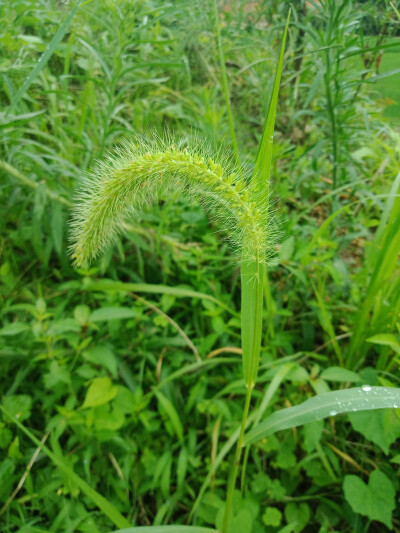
[(76, 77)]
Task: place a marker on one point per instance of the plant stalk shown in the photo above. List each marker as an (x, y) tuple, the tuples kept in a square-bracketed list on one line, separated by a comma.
[(236, 463), (252, 303)]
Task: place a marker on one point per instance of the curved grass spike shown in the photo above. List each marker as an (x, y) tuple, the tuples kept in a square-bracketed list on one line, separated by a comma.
[(144, 171)]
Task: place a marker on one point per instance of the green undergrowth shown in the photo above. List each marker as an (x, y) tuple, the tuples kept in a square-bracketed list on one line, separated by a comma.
[(129, 371)]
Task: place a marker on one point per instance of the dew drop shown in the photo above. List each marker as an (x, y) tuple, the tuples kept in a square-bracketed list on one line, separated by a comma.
[(366, 388), (333, 413)]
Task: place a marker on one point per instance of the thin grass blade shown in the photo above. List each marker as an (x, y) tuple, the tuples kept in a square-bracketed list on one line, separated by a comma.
[(109, 285), (384, 261), (167, 529), (262, 168), (252, 272), (45, 56)]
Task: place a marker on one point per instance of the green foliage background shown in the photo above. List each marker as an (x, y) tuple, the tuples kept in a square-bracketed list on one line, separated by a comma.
[(137, 387)]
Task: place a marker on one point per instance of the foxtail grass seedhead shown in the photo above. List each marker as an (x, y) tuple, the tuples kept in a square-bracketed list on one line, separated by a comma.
[(142, 172)]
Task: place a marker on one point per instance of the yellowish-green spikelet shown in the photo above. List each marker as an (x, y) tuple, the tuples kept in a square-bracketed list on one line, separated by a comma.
[(142, 173)]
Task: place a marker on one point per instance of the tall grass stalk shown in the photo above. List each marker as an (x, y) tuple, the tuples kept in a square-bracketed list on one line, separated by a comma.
[(252, 273), (144, 171)]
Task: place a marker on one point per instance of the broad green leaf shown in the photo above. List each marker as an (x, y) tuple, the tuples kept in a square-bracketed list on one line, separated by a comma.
[(325, 405), (337, 373), (386, 339), (272, 517), (298, 515), (375, 500), (62, 326), (81, 314), (312, 435), (380, 427), (5, 436), (100, 392), (16, 328), (112, 313), (45, 56), (18, 405), (103, 356), (104, 505)]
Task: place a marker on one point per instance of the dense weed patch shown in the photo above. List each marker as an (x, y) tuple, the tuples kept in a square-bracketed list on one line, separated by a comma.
[(129, 370)]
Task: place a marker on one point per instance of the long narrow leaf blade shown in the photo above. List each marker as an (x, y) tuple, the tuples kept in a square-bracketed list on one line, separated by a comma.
[(167, 529), (45, 56), (262, 168), (110, 285), (325, 405)]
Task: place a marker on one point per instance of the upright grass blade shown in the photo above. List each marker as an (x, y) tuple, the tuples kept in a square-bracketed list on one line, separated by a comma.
[(325, 405), (45, 56), (32, 184), (252, 272), (104, 505), (262, 168), (384, 261), (251, 318)]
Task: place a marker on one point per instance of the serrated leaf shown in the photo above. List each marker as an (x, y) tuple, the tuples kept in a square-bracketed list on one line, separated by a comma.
[(375, 500)]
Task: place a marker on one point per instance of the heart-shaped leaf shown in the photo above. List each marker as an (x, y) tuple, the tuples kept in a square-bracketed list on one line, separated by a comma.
[(375, 500)]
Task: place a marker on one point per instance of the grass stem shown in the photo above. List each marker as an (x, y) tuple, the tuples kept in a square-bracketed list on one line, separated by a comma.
[(236, 463)]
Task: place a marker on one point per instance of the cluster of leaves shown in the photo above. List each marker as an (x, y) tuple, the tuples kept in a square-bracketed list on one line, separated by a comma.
[(138, 386)]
